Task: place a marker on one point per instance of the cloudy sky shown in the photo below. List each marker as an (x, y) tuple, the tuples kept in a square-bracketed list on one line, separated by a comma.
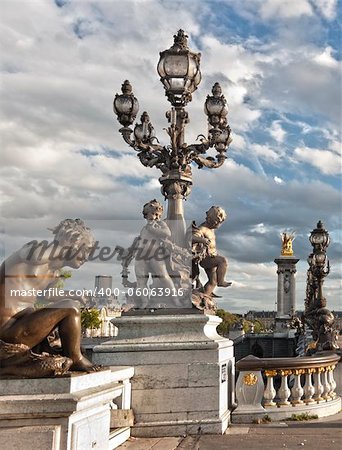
[(278, 62)]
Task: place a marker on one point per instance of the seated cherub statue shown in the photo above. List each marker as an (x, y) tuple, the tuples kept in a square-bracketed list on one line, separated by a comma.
[(154, 257), (215, 265), (36, 267)]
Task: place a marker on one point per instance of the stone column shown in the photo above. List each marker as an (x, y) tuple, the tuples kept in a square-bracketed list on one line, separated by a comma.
[(176, 186), (286, 298), (280, 293)]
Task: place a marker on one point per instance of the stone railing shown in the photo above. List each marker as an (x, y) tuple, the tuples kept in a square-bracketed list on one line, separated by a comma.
[(281, 387)]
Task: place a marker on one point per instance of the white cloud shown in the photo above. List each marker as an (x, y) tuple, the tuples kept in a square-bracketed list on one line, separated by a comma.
[(327, 8), (259, 228), (335, 146), (326, 59), (302, 86), (277, 132), (327, 162), (265, 152), (286, 9), (278, 180)]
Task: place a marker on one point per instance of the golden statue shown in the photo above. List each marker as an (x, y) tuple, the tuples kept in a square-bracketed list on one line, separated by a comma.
[(286, 247)]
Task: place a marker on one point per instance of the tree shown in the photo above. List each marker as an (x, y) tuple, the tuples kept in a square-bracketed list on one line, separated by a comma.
[(258, 326), (228, 319), (90, 319)]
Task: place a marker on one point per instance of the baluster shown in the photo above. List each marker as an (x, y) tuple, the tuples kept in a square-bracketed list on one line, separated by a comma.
[(284, 391), (326, 384), (297, 391), (270, 392), (309, 389), (318, 385), (332, 381)]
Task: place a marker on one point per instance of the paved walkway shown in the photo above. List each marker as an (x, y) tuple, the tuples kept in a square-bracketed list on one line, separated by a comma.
[(320, 434)]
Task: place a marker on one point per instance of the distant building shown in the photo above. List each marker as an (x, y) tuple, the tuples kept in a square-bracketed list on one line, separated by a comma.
[(107, 303), (103, 295), (267, 318), (106, 329)]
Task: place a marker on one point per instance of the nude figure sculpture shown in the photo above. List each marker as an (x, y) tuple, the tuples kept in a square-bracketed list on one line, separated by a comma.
[(153, 237), (23, 327), (215, 265)]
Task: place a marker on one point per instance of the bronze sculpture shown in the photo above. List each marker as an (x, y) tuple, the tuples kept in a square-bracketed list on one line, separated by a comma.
[(287, 239), (215, 265), (33, 268)]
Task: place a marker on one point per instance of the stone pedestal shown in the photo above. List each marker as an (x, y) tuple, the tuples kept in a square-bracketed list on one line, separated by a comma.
[(69, 413), (184, 372), (286, 293)]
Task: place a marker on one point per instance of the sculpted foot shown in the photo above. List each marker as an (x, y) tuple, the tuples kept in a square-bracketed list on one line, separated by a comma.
[(84, 365), (224, 284)]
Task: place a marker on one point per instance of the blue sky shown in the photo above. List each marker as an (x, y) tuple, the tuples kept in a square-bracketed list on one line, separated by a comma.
[(279, 64)]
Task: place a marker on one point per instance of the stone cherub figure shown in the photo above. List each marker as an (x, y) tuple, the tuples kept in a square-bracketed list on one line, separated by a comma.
[(215, 265), (153, 238), (36, 266)]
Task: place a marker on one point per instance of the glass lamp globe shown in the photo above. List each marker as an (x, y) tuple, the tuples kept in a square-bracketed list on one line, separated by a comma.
[(179, 70), (125, 105), (216, 107), (319, 236)]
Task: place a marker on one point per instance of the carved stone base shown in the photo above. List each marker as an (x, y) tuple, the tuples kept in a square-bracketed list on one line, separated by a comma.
[(69, 413), (184, 372)]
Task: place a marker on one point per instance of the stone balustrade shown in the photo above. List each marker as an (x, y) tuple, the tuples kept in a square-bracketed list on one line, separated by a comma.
[(281, 387)]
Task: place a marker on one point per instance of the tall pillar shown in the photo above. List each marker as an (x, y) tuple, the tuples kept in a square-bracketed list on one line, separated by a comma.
[(286, 294)]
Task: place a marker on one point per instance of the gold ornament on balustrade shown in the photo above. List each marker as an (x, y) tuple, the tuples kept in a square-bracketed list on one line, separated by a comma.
[(250, 379), (270, 373)]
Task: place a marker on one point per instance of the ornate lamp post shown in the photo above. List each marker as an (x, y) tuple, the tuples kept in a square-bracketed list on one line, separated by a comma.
[(319, 263), (179, 70), (318, 317)]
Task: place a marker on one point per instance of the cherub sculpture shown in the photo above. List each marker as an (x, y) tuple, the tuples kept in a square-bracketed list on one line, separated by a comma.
[(154, 238), (159, 259), (36, 267), (215, 265)]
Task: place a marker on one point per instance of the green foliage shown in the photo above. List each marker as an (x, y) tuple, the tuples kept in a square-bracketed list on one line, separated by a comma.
[(265, 419), (302, 417), (228, 319), (247, 324), (258, 326), (90, 318), (63, 275)]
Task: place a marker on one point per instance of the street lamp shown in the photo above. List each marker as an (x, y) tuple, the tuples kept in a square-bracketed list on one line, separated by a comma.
[(319, 238), (318, 317), (179, 70)]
